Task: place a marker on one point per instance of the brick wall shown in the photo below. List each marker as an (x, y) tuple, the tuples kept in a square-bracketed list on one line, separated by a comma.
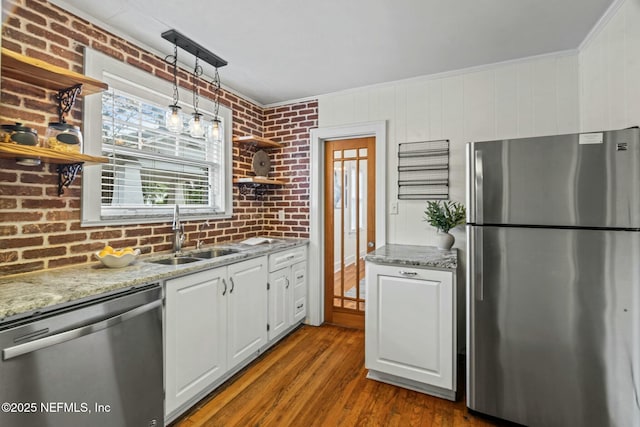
[(40, 230), (290, 125)]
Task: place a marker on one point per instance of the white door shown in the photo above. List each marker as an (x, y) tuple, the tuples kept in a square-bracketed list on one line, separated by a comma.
[(195, 354), (279, 284), (247, 305), (409, 324)]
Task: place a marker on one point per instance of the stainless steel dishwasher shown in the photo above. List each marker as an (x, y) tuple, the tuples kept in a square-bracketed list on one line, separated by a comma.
[(98, 363)]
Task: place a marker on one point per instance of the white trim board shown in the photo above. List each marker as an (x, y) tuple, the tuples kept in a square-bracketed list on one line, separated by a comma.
[(601, 23), (319, 136)]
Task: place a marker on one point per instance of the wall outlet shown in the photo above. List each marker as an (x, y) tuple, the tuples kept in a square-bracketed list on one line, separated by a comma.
[(393, 208), (281, 215)]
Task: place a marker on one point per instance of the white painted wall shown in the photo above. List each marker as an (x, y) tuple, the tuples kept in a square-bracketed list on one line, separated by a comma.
[(538, 96), (610, 70)]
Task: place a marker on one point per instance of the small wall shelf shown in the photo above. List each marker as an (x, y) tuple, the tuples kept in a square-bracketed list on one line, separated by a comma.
[(69, 85), (256, 141), (256, 180), (48, 155), (39, 73), (256, 186)]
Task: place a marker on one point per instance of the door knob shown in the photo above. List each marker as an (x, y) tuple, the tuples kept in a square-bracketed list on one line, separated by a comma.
[(371, 244)]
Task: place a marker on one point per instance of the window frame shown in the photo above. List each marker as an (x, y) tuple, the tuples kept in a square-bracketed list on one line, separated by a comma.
[(156, 90)]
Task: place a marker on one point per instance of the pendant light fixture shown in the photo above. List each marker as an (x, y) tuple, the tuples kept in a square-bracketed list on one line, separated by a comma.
[(196, 124), (214, 131), (173, 117), (198, 127)]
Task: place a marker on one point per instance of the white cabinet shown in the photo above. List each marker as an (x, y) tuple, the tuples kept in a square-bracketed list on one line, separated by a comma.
[(298, 297), (410, 328), (287, 290), (195, 327), (214, 320), (247, 309)]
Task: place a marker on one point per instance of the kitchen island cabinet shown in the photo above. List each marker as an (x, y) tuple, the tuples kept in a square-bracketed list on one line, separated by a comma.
[(410, 319)]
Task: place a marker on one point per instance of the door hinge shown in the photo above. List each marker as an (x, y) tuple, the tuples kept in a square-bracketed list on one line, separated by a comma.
[(268, 327), (268, 286)]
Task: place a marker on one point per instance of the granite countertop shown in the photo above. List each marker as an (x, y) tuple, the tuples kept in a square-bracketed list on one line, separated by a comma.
[(23, 295), (416, 256)]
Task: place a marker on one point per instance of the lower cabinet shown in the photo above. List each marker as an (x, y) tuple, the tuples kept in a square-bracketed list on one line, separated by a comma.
[(247, 309), (410, 328), (195, 326), (214, 320), (287, 290), (217, 321)]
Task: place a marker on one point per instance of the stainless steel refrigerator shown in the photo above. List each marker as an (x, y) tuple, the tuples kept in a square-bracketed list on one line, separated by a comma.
[(553, 279)]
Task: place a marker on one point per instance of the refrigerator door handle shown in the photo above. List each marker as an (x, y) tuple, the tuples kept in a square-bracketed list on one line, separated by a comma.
[(478, 262), (479, 175)]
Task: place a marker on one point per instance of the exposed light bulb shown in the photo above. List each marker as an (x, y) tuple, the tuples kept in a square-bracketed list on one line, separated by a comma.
[(215, 131), (196, 127), (173, 119)]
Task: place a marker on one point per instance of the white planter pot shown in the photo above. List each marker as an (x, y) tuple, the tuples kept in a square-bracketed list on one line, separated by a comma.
[(445, 240)]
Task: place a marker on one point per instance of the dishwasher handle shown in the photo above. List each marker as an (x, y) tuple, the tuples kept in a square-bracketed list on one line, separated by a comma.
[(19, 350)]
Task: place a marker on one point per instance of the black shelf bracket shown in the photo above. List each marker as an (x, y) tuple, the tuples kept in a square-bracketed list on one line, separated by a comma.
[(66, 98), (66, 174)]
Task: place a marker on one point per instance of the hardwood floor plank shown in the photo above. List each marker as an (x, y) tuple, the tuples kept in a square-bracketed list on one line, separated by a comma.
[(316, 377)]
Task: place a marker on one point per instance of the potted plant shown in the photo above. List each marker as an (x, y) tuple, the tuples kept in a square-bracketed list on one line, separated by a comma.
[(444, 216)]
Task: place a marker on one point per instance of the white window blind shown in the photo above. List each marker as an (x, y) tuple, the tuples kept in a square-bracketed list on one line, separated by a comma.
[(149, 166)]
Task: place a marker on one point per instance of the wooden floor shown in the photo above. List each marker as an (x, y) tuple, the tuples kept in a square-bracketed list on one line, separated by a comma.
[(316, 377)]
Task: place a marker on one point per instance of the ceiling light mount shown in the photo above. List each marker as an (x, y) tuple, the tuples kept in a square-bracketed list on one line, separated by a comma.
[(193, 48)]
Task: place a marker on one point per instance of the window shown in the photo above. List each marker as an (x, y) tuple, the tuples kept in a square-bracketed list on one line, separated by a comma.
[(150, 169)]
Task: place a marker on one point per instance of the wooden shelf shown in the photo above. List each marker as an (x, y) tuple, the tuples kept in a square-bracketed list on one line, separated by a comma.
[(257, 141), (40, 73), (8, 150), (254, 180)]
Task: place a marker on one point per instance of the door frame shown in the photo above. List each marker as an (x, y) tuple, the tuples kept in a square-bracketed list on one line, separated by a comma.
[(319, 136)]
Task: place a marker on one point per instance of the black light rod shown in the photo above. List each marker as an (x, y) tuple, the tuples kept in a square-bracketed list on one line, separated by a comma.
[(194, 48)]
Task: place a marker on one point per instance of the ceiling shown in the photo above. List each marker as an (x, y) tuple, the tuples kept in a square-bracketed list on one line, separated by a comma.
[(281, 50)]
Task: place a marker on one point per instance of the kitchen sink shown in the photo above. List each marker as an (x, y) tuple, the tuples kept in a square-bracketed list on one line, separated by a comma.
[(176, 260), (213, 253)]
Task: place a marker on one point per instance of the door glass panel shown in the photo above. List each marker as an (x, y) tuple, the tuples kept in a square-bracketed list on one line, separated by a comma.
[(350, 256), (350, 153), (363, 152), (337, 154), (338, 201), (362, 220)]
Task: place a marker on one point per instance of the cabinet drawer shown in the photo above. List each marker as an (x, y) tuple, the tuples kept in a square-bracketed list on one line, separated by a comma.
[(299, 308), (287, 258)]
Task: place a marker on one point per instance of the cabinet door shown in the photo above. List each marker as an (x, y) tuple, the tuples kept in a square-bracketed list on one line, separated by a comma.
[(279, 304), (409, 328), (195, 335), (247, 305), (298, 292)]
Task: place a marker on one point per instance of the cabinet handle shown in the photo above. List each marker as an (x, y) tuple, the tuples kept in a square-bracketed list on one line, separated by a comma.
[(291, 256), (287, 279), (408, 273), (300, 277), (232, 285), (300, 306), (224, 282)]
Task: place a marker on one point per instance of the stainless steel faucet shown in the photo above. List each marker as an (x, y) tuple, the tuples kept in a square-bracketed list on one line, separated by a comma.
[(178, 231)]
